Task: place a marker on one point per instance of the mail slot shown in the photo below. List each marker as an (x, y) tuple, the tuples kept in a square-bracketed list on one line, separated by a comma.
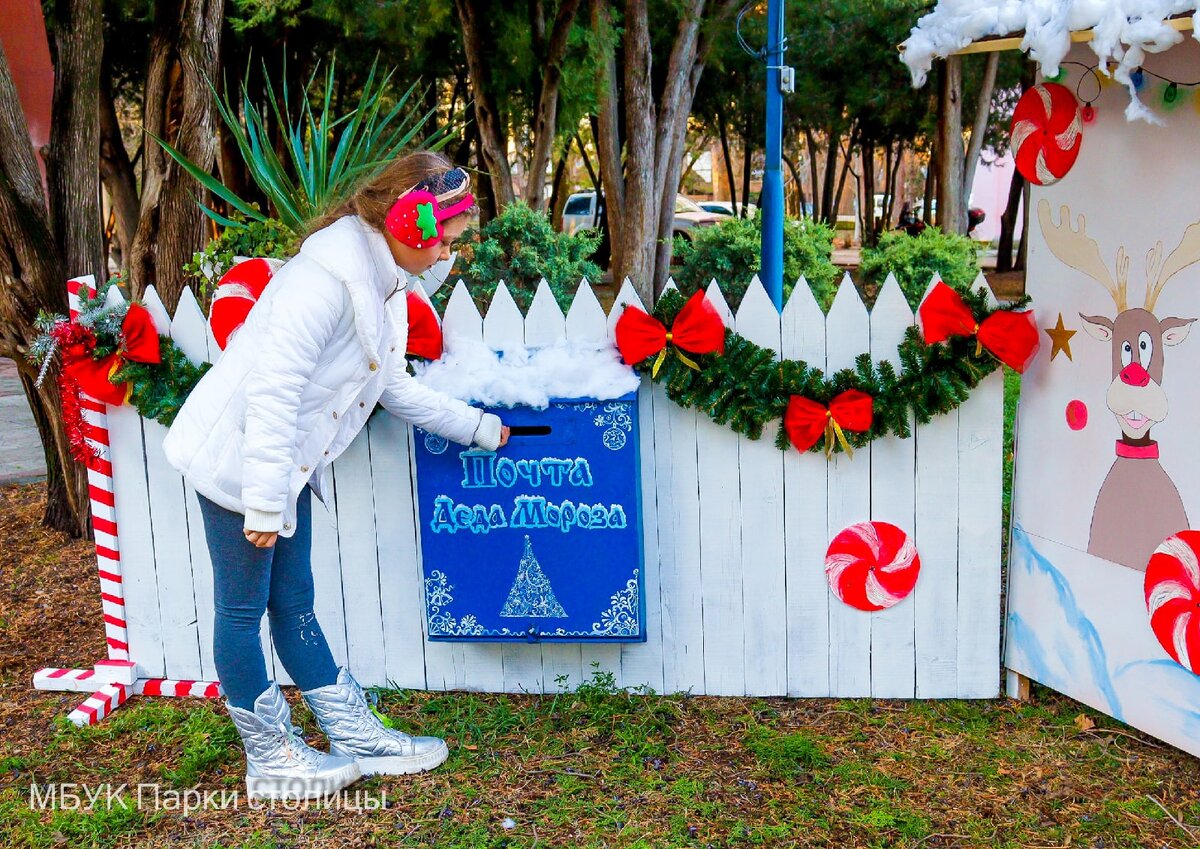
[(541, 540)]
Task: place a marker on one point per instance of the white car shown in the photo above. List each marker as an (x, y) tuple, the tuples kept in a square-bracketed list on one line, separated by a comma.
[(724, 207), (580, 212)]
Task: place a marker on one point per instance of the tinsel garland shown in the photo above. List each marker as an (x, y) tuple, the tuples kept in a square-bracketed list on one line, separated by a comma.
[(746, 387)]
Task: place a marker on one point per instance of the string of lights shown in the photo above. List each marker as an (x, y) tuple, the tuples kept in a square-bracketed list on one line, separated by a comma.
[(1168, 94)]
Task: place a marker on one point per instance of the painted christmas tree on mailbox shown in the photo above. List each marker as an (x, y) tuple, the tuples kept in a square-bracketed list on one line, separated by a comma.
[(531, 593)]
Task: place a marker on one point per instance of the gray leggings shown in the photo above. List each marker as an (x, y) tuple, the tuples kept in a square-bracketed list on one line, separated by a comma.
[(248, 581)]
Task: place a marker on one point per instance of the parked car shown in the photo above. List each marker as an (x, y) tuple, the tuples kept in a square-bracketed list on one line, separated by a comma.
[(724, 207), (581, 211)]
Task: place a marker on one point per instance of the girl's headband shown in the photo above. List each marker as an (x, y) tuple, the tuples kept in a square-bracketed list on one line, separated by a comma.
[(416, 217)]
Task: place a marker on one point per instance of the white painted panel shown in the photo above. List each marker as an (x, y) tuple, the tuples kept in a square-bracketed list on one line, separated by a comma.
[(935, 598), (980, 489), (760, 466), (586, 321), (462, 317), (329, 604), (806, 510), (893, 499), (503, 326), (848, 335)]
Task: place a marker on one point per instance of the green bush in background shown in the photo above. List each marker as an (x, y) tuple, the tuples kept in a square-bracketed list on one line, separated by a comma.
[(270, 238), (520, 247), (730, 252), (915, 259)]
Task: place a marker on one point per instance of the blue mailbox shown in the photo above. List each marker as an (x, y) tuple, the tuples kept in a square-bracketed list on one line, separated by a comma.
[(541, 540)]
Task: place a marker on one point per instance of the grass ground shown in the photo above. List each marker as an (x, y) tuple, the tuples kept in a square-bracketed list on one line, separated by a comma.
[(589, 767)]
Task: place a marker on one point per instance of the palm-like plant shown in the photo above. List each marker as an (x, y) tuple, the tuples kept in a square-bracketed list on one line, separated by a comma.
[(325, 156)]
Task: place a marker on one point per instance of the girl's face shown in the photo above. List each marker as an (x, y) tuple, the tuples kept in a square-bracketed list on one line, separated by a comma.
[(417, 261)]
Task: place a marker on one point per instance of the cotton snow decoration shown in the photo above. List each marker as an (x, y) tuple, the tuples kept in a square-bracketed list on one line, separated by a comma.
[(471, 371), (1124, 31)]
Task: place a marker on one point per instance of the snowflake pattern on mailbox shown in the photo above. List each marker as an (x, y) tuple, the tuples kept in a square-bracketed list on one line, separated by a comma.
[(541, 540)]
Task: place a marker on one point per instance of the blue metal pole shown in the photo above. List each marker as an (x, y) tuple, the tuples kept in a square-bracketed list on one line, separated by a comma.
[(772, 191)]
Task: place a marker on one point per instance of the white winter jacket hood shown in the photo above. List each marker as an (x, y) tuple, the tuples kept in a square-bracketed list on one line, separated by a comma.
[(298, 380)]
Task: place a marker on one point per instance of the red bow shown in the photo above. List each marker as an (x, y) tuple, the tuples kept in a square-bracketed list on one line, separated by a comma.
[(1011, 337), (424, 332), (139, 344), (698, 328), (806, 420)]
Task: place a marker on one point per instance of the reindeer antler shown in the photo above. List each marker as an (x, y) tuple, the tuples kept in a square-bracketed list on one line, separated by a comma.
[(1185, 253), (1078, 250)]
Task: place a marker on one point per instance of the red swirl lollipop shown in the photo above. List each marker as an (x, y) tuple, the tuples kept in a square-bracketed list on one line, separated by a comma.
[(1046, 133), (872, 565), (1173, 597)]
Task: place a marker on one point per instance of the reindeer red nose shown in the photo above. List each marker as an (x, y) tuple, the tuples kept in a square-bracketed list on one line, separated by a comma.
[(1135, 375)]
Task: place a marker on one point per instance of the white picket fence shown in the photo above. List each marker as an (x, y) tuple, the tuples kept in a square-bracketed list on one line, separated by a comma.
[(735, 533)]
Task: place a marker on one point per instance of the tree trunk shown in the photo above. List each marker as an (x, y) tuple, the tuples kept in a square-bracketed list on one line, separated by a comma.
[(723, 129), (841, 186), (587, 163), (810, 144), (795, 172), (828, 214), (116, 170), (952, 208), (983, 110), (546, 119), (492, 142), (606, 131), (42, 237), (930, 187), (1008, 222), (634, 253), (867, 202), (558, 198), (178, 107), (747, 162)]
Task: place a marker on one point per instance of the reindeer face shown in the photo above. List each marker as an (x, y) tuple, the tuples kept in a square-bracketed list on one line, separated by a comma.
[(1136, 396)]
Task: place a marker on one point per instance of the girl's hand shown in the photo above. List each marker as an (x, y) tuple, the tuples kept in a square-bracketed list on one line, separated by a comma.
[(261, 539), (504, 432)]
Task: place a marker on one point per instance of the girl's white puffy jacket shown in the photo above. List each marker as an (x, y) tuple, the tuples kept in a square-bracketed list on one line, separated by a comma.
[(324, 342)]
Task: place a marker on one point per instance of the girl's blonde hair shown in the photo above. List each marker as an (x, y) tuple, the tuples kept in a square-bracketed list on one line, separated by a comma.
[(372, 200)]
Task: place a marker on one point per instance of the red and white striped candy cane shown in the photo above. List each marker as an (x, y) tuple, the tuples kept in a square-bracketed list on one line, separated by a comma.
[(104, 515), (182, 689), (99, 704), (56, 678)]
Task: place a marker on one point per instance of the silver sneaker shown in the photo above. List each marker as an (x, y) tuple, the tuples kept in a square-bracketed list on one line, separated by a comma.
[(279, 764), (355, 732)]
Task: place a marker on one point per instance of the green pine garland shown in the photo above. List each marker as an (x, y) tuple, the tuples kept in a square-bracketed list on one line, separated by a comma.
[(746, 387)]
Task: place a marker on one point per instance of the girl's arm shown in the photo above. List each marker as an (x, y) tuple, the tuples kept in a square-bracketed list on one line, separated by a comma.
[(437, 412)]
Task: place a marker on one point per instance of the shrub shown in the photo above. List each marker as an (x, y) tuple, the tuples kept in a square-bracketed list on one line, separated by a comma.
[(915, 259), (730, 251), (270, 238), (520, 247)]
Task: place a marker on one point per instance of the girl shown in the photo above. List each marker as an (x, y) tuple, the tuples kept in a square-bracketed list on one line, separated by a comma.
[(295, 385)]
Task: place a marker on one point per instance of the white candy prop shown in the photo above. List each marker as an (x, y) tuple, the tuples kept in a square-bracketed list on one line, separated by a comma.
[(1173, 597), (872, 565)]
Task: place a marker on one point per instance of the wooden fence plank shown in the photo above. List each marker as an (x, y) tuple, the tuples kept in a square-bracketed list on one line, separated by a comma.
[(462, 316), (503, 326), (359, 559), (401, 594), (935, 597), (545, 324), (586, 321), (806, 510), (980, 490), (721, 547), (848, 335), (893, 499), (760, 467), (330, 605)]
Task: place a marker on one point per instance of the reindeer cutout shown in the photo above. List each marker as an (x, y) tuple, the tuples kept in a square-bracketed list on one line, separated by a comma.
[(1138, 505)]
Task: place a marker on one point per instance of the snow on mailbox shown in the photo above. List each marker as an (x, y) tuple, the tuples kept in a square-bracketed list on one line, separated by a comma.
[(542, 539)]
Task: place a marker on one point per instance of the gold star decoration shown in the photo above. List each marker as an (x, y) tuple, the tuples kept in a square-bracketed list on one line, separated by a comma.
[(1060, 337)]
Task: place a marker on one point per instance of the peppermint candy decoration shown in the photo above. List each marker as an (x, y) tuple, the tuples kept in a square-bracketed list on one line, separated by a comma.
[(1173, 598), (872, 565), (1046, 133), (237, 291)]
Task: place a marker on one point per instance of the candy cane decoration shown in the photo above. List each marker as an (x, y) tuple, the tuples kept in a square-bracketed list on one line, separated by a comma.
[(872, 565), (104, 514), (99, 704), (1173, 596), (112, 681)]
